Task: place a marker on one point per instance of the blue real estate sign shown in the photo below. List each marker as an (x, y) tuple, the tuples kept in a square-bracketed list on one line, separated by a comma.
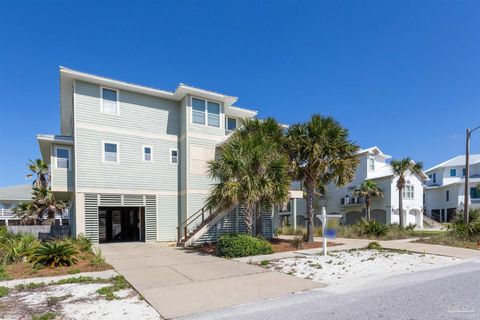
[(331, 227)]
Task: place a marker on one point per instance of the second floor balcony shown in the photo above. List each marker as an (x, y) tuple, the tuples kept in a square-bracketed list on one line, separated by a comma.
[(352, 201)]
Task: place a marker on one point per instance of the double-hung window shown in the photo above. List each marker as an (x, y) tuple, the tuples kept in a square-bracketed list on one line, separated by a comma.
[(205, 112), (109, 101), (447, 195), (453, 172), (173, 156), (371, 164), (231, 124), (147, 154), (213, 110), (464, 172), (63, 158), (198, 111), (408, 192), (110, 152)]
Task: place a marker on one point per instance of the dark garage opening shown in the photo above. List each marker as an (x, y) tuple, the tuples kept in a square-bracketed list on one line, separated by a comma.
[(119, 224)]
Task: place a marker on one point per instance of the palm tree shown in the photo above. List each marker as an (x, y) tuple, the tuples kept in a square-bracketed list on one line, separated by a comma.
[(45, 203), (251, 169), (401, 168), (39, 168), (368, 189), (25, 211), (320, 153)]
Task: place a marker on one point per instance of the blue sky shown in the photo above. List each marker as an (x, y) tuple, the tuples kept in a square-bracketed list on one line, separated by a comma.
[(402, 75)]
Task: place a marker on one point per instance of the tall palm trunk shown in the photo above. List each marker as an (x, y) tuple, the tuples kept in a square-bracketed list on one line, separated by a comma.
[(249, 218), (400, 207), (310, 194), (367, 205)]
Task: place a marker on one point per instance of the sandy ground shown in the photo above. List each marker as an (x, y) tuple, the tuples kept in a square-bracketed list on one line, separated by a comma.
[(75, 301), (344, 271)]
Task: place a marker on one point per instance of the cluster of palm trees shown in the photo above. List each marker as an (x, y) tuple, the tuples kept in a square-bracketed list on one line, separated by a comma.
[(43, 203), (255, 167)]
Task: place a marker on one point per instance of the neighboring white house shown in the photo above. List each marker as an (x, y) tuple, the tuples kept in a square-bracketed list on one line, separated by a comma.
[(374, 166), (10, 197), (131, 160), (445, 189)]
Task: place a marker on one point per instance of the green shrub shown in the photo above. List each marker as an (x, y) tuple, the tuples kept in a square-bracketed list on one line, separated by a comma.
[(242, 245), (372, 228), (17, 248), (98, 259), (469, 232), (4, 291), (55, 254), (297, 243), (374, 245)]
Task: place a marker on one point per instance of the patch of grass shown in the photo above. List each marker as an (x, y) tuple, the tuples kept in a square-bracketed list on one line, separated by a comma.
[(4, 291), (374, 245), (450, 239), (119, 283), (3, 274), (81, 279), (264, 263), (30, 286), (44, 316), (53, 301), (74, 271), (427, 233)]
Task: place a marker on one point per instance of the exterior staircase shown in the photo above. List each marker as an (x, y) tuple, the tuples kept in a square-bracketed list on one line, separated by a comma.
[(431, 222), (195, 226)]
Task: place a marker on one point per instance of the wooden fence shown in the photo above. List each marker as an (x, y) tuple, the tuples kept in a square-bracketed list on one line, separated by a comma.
[(43, 232)]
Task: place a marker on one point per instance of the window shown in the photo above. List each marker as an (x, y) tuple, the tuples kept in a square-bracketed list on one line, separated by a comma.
[(434, 177), (109, 101), (213, 114), (408, 192), (453, 172), (464, 172), (206, 112), (447, 195), (474, 193), (173, 156), (371, 164), (198, 111), (110, 152), (147, 153), (63, 158), (231, 124)]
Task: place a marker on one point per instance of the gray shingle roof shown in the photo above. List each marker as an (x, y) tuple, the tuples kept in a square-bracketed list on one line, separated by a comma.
[(18, 192)]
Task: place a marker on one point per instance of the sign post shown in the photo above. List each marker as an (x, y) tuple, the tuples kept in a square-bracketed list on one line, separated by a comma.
[(330, 225)]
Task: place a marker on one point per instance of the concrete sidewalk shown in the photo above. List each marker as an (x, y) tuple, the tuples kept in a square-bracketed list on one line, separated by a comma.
[(179, 282)]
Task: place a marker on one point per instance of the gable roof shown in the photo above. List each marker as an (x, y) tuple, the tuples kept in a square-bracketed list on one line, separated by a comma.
[(19, 192), (374, 150), (456, 161)]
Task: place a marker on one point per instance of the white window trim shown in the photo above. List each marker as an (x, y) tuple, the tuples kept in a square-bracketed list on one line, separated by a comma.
[(69, 158), (103, 151), (206, 113), (405, 193), (226, 123), (170, 156), (118, 101), (143, 153)]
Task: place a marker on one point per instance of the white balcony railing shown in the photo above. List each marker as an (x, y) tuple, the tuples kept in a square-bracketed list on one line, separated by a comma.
[(7, 213), (10, 214)]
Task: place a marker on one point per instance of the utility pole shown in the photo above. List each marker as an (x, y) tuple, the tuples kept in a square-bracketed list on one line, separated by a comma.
[(467, 175)]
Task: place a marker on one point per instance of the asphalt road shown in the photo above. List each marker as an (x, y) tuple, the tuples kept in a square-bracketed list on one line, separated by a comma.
[(446, 293)]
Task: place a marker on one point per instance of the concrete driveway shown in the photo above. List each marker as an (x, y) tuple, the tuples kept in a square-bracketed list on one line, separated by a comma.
[(178, 282)]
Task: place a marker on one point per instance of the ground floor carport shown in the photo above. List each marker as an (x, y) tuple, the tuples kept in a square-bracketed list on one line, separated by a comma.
[(178, 282)]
